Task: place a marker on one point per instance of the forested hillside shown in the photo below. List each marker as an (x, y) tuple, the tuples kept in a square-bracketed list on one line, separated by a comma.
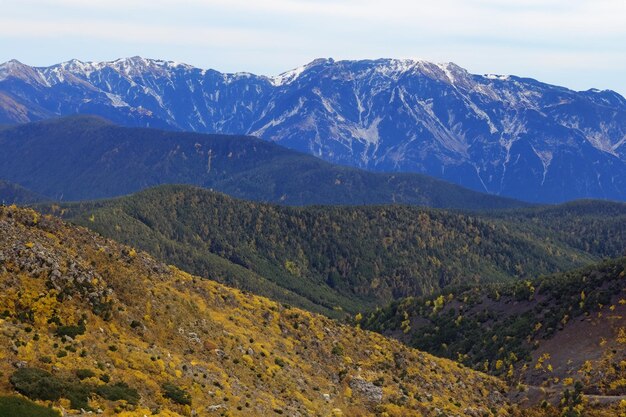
[(348, 257), (79, 158), (594, 226)]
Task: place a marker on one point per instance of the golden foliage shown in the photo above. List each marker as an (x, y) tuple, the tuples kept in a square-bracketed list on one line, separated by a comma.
[(234, 353)]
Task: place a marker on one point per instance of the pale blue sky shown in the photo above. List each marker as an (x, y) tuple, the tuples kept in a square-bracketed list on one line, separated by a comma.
[(580, 44)]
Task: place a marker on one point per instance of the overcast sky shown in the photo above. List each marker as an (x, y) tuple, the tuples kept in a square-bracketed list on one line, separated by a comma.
[(580, 44)]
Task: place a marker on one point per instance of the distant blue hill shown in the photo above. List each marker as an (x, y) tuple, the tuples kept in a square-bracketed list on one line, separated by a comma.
[(81, 158)]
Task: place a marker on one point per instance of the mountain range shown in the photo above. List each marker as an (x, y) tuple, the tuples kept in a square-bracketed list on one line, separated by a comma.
[(505, 135)]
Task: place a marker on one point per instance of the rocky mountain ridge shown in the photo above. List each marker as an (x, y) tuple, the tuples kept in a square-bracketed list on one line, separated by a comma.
[(506, 135)]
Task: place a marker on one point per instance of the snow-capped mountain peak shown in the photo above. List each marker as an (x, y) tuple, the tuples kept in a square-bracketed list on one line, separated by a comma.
[(293, 74), (497, 133), (15, 69), (288, 76)]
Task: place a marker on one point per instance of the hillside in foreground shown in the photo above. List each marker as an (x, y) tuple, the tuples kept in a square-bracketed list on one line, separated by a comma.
[(88, 323), (325, 257), (81, 158)]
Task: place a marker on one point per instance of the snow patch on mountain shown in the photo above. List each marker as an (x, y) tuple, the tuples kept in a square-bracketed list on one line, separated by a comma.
[(281, 119), (368, 134), (546, 158), (287, 77), (497, 77), (116, 100)]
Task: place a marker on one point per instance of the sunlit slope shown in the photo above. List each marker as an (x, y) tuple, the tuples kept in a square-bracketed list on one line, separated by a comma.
[(88, 323)]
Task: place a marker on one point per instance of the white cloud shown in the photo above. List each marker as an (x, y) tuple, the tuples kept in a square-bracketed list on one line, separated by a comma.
[(530, 17), (133, 32)]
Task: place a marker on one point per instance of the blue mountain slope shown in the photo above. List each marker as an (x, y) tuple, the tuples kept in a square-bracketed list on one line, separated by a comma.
[(505, 135)]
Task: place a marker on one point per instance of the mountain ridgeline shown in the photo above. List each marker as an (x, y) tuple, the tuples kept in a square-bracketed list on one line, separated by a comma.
[(80, 158), (505, 135), (347, 257)]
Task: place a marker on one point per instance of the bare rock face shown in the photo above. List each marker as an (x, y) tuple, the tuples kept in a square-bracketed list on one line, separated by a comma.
[(22, 252), (367, 390)]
